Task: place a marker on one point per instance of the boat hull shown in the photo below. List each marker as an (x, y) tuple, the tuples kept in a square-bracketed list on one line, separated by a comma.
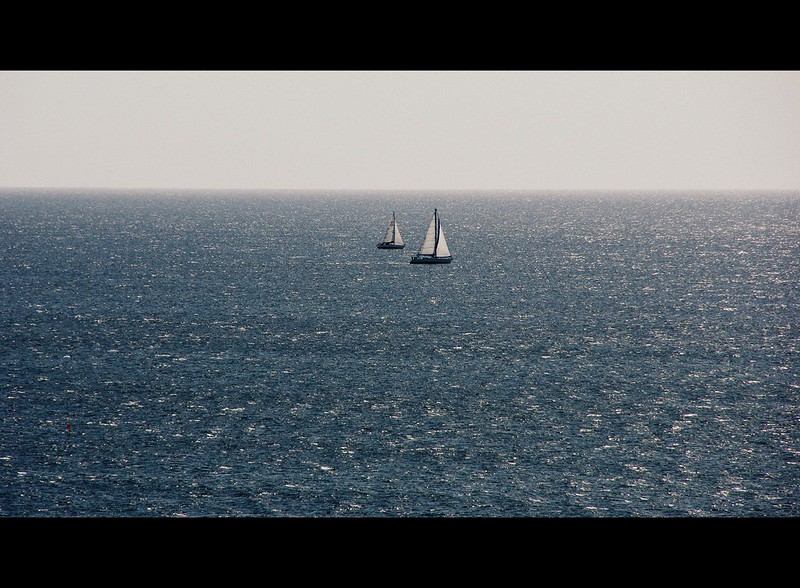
[(389, 246), (430, 259)]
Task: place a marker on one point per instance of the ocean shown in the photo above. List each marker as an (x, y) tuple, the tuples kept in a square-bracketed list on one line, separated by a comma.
[(253, 354)]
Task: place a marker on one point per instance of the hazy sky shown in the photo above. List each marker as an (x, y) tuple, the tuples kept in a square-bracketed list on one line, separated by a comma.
[(535, 130)]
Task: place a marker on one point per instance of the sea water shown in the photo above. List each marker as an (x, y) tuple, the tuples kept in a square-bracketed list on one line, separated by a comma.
[(246, 354)]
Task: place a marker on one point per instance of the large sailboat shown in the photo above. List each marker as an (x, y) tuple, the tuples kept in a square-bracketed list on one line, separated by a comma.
[(392, 240), (434, 247)]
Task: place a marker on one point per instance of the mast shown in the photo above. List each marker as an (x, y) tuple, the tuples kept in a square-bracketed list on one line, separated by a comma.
[(394, 227), (436, 231)]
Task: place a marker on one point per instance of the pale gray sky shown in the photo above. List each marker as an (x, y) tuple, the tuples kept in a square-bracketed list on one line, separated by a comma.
[(408, 130)]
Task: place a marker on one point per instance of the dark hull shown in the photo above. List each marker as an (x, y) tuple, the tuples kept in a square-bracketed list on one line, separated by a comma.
[(389, 246), (430, 259)]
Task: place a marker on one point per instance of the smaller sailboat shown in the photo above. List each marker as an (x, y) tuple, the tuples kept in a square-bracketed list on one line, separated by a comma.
[(393, 239), (434, 247)]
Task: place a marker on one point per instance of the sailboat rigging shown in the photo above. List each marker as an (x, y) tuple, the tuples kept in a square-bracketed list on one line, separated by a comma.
[(393, 239), (434, 247)]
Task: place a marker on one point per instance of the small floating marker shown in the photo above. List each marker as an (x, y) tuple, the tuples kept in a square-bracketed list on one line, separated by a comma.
[(69, 427)]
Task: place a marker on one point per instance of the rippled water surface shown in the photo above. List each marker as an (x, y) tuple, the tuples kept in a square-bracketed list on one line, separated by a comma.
[(255, 355)]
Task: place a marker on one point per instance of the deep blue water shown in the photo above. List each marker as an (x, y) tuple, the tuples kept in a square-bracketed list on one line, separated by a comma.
[(247, 354)]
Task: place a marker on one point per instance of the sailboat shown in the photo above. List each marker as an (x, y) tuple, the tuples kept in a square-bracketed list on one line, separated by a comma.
[(392, 240), (434, 247)]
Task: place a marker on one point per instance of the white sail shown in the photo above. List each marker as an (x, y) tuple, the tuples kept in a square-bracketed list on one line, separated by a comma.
[(434, 247), (393, 233), (442, 250), (389, 233), (431, 245), (429, 241)]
